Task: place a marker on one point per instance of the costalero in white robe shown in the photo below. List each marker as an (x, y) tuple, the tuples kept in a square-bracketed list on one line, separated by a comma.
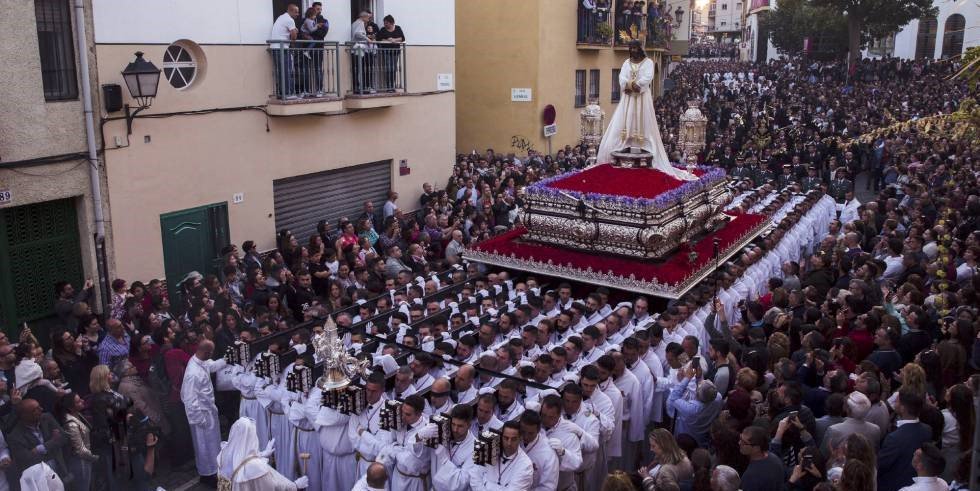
[(197, 394), (634, 119), (338, 469), (307, 441), (248, 384)]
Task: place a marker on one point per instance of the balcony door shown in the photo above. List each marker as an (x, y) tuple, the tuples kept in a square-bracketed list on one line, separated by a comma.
[(375, 6)]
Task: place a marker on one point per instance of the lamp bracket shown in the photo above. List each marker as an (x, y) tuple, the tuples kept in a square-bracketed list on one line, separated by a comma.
[(130, 116)]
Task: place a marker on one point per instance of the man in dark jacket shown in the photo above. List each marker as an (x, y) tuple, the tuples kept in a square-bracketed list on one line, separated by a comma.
[(36, 438), (895, 458)]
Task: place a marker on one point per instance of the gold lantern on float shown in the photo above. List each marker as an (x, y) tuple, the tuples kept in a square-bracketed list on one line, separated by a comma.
[(692, 128)]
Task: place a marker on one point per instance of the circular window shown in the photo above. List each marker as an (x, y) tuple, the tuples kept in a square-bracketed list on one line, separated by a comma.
[(180, 64)]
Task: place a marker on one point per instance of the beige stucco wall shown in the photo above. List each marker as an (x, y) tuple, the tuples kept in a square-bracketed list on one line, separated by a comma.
[(31, 128), (497, 49), (537, 51), (198, 160)]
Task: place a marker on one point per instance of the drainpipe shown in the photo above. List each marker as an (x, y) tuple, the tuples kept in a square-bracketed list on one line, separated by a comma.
[(95, 180)]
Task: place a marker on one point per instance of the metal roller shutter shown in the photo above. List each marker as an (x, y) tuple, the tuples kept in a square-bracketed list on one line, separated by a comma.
[(302, 201)]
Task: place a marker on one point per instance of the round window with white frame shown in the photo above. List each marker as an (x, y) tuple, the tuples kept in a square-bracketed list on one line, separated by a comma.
[(183, 64)]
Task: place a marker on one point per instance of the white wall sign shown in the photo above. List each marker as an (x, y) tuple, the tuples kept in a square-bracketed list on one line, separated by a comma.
[(550, 130), (520, 95), (444, 81), (5, 196)]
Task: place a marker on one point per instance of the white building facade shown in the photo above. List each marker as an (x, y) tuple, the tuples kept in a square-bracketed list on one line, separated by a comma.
[(954, 29)]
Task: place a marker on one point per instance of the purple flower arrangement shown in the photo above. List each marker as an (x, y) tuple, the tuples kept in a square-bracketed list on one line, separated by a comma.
[(710, 176)]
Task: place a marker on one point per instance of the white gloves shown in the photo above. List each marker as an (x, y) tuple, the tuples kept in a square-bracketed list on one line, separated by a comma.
[(302, 483), (557, 446), (430, 430), (270, 448), (532, 406), (300, 348)]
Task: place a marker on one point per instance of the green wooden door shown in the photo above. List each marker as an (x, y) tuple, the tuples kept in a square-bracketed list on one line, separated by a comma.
[(192, 241), (39, 245)]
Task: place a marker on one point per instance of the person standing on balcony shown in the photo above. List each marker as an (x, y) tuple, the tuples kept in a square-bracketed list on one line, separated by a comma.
[(311, 59), (283, 33), (392, 37), (363, 52)]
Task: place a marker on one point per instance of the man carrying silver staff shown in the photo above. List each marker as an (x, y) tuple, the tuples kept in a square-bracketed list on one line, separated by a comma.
[(452, 462)]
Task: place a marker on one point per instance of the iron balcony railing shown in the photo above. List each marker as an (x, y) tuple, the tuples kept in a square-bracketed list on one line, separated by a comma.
[(595, 25), (305, 69), (376, 68)]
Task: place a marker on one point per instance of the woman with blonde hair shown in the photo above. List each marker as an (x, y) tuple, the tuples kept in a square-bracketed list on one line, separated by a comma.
[(671, 465), (913, 377), (618, 481), (108, 409)]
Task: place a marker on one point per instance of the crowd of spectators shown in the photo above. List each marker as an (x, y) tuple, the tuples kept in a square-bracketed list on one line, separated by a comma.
[(297, 48), (848, 365), (713, 50)]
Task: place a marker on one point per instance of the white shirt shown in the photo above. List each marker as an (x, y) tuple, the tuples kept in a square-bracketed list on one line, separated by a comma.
[(926, 484), (281, 30), (390, 208)]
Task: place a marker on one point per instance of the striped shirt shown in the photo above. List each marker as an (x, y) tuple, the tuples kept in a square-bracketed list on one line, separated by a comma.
[(111, 350)]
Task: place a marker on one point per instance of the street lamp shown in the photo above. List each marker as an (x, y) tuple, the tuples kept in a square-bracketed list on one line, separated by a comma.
[(679, 15), (142, 78)]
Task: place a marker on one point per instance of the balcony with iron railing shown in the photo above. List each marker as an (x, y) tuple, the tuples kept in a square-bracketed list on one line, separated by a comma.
[(323, 76), (595, 29)]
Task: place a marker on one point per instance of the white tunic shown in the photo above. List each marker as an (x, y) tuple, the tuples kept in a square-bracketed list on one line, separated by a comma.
[(369, 442), (307, 441), (602, 407), (197, 394), (248, 384), (571, 461), (337, 469), (408, 460), (545, 464), (516, 474), (452, 464), (615, 445)]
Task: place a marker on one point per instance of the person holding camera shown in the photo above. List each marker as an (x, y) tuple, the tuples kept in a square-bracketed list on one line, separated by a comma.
[(142, 437), (108, 409)]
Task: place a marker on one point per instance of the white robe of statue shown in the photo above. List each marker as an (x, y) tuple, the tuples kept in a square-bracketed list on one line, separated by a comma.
[(634, 122), (197, 394)]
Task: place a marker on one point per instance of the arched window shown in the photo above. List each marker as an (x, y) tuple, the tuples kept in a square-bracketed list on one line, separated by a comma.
[(953, 35), (925, 43)]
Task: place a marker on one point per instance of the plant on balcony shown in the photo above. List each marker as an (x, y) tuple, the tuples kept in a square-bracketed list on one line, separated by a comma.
[(604, 31)]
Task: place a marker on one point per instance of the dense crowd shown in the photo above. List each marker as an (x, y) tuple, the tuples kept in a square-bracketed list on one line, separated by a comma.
[(838, 351), (713, 50)]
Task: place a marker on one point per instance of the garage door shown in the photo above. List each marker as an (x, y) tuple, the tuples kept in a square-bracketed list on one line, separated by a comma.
[(302, 201)]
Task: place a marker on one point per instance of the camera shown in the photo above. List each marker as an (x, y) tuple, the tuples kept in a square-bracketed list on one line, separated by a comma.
[(140, 426)]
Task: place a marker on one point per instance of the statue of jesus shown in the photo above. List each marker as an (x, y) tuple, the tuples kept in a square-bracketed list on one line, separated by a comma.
[(634, 123)]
